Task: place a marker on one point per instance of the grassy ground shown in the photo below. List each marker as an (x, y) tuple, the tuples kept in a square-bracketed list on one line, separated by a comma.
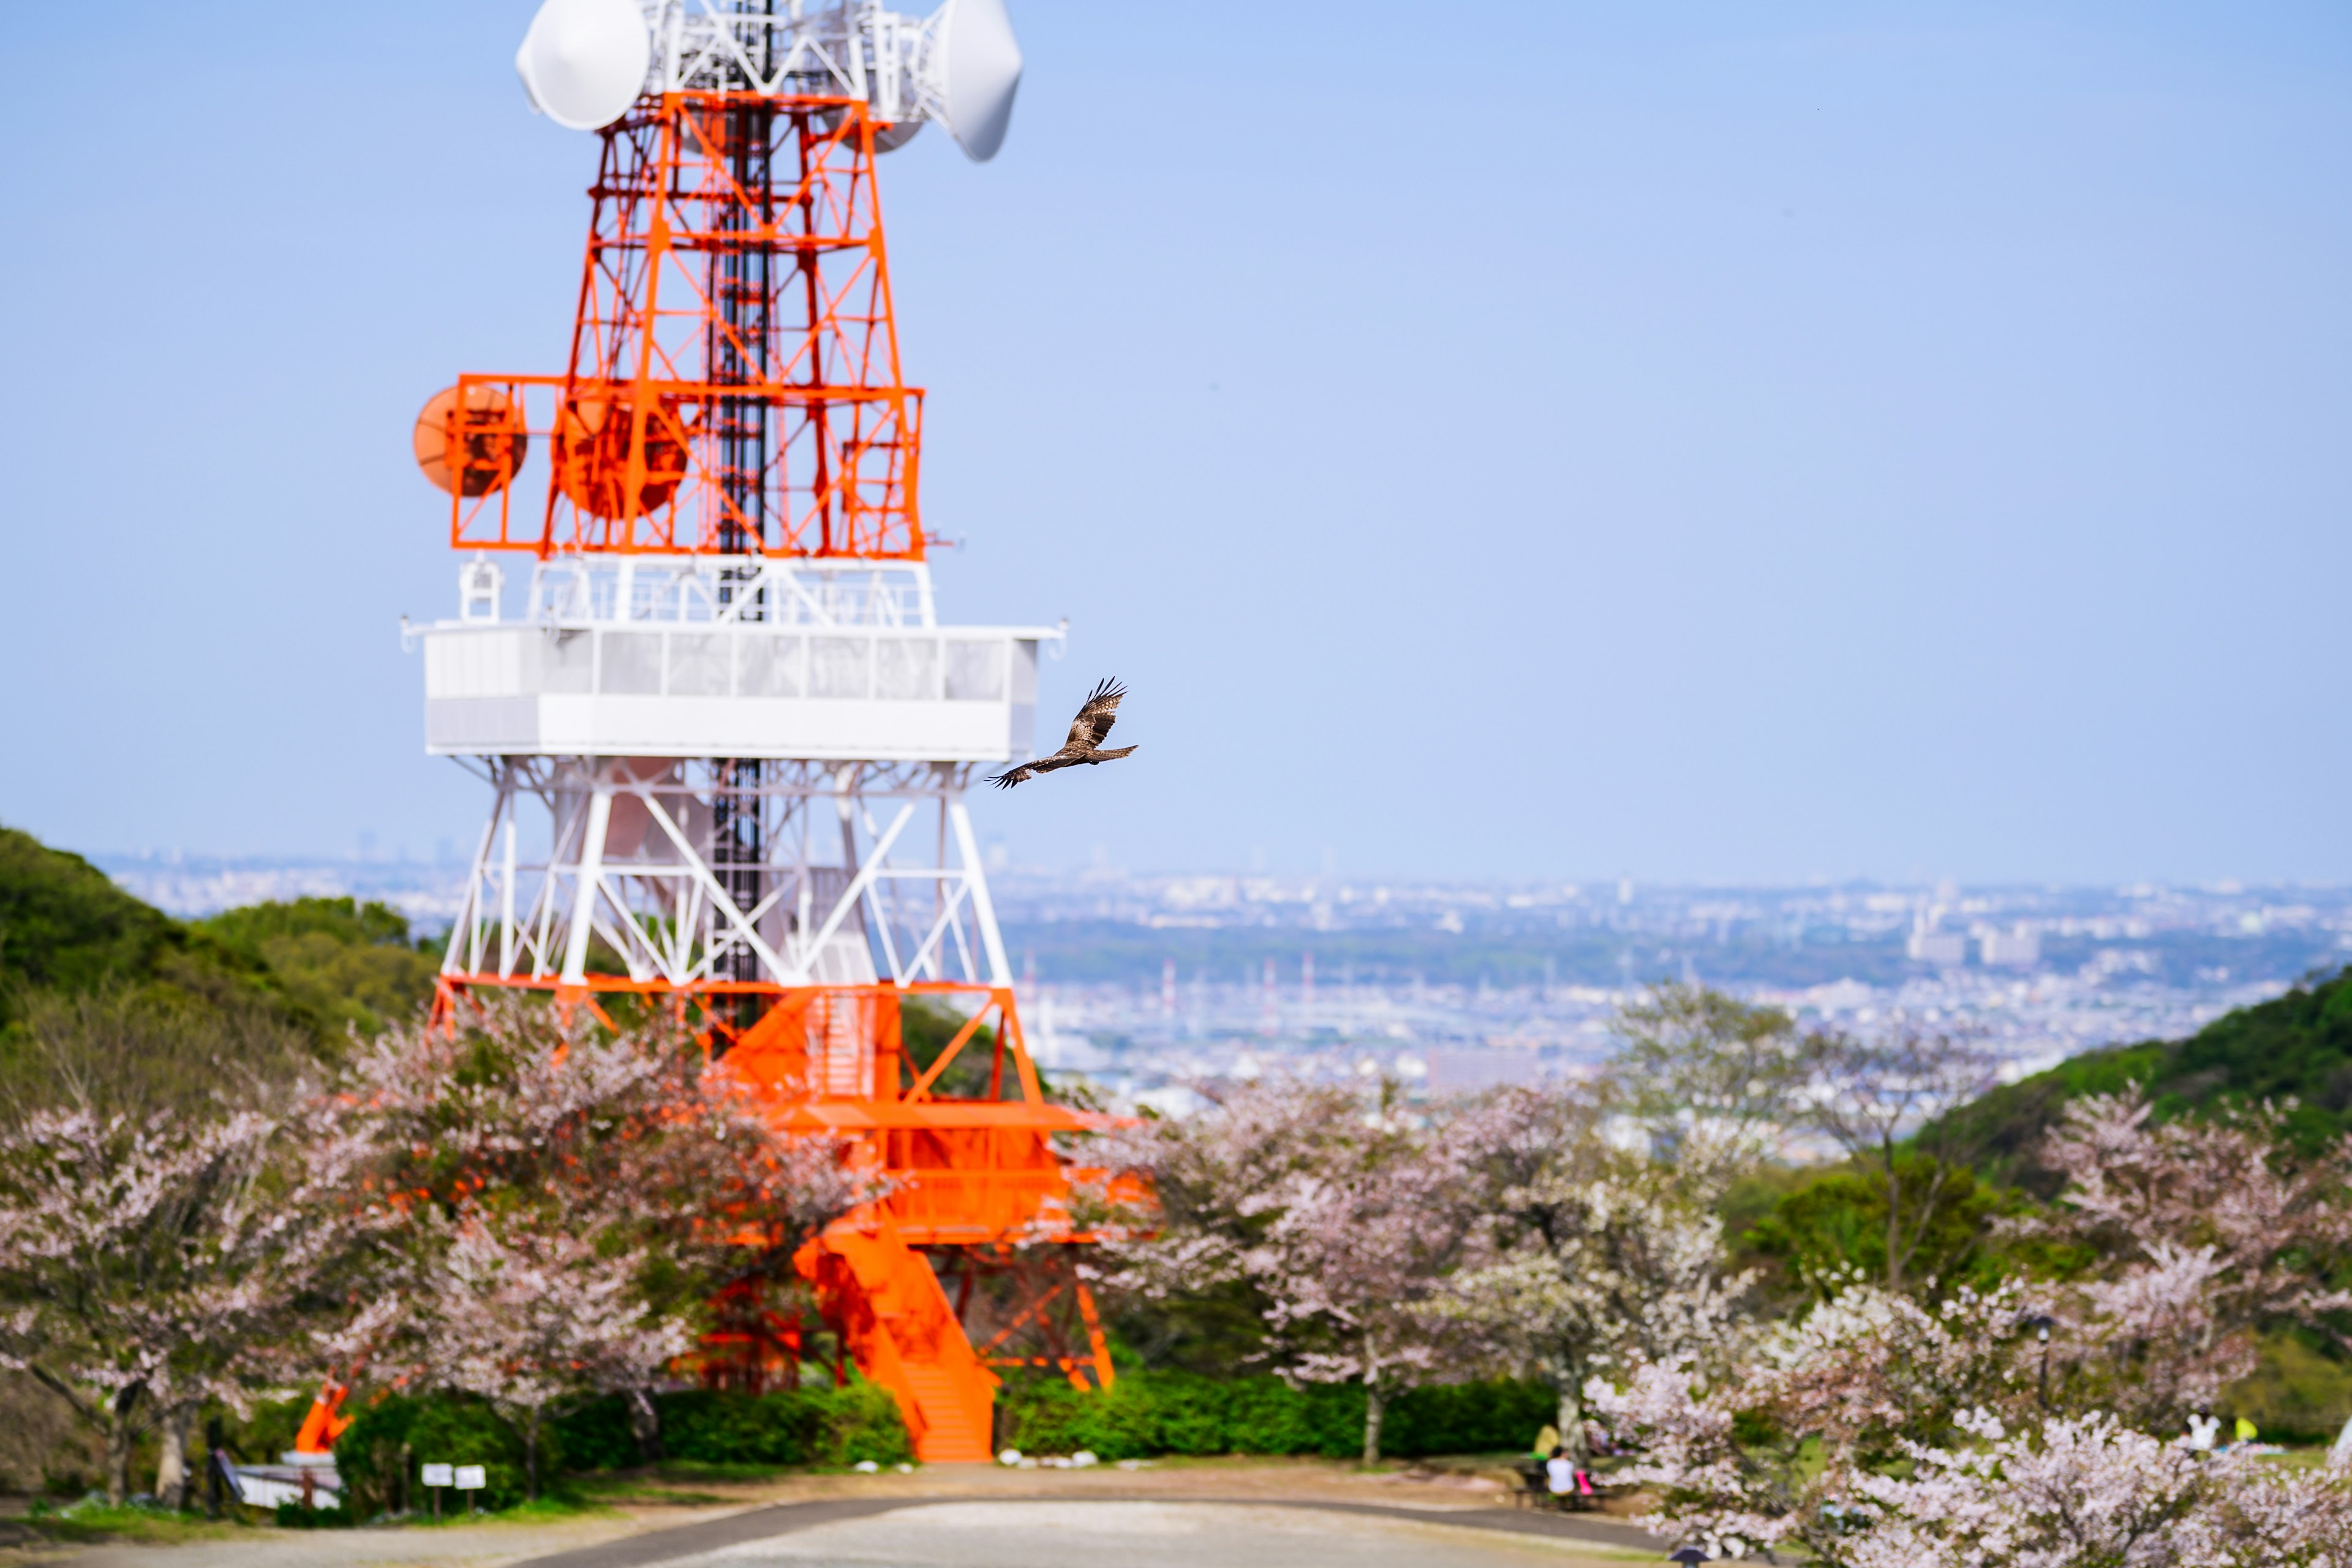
[(643, 1488), (89, 1521), (550, 1507), (673, 1481), (673, 1485), (2311, 1458)]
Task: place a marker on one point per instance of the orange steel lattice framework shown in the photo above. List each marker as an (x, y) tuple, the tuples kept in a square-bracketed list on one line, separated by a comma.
[(734, 385), (735, 390)]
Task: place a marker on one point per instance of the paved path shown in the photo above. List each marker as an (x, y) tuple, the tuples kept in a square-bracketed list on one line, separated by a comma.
[(1138, 1532), (1224, 1513), (1173, 1531), (488, 1545)]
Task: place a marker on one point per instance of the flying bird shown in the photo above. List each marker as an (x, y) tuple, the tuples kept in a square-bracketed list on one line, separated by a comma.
[(1096, 716)]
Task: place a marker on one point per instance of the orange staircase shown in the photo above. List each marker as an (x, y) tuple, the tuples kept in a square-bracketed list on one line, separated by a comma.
[(953, 1433), (899, 1324)]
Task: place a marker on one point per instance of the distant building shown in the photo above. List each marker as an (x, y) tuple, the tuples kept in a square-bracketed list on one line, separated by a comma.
[(1945, 949), (2017, 949)]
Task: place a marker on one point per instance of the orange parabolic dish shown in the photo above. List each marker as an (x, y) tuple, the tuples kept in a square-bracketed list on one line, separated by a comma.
[(593, 438), (484, 435)]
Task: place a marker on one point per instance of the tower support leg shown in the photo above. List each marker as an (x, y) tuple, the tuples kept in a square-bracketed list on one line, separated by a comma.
[(590, 874)]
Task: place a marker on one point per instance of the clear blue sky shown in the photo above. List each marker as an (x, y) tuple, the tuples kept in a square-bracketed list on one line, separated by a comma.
[(1698, 441)]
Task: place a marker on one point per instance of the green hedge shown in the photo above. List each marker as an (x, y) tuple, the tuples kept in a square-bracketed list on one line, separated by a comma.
[(809, 1427), (805, 1426), (441, 1428), (1144, 1413), (1148, 1413)]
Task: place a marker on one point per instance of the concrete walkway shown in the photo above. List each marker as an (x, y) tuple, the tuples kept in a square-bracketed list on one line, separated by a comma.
[(974, 1523), (1135, 1532), (1221, 1513)]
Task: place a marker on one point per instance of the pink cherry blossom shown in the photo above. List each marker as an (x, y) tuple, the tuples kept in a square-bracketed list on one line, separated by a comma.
[(152, 1264), (2209, 1229)]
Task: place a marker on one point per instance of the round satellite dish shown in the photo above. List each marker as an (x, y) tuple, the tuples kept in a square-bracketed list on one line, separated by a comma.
[(980, 71), (471, 443), (584, 61), (887, 137)]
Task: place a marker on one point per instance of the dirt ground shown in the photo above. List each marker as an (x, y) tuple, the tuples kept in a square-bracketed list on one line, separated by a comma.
[(1163, 1514)]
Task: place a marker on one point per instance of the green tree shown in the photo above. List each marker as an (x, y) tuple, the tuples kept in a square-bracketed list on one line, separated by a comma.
[(1882, 1098), (1694, 1058), (1835, 1228), (2298, 1046), (65, 928), (343, 964)]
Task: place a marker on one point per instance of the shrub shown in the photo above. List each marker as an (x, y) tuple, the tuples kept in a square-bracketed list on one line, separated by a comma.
[(2297, 1393), (1500, 1416), (597, 1436), (1150, 1413), (726, 1428), (858, 1423), (396, 1431), (797, 1426)]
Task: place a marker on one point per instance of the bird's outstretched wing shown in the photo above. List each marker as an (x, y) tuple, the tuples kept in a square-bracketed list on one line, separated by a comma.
[(1096, 714), (1011, 776)]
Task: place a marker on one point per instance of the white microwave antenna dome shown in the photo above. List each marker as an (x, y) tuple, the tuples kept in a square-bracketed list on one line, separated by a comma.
[(583, 62), (978, 71)]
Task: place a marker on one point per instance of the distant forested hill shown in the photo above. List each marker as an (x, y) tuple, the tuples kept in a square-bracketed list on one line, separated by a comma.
[(65, 928), (2296, 1047), (318, 964)]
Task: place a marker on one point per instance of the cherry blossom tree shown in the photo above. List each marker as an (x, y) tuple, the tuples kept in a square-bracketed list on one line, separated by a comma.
[(2267, 1518), (574, 1200), (1880, 1434), (1589, 1255), (1356, 1260), (2206, 1231), (2084, 1493), (1775, 1448), (1341, 1212), (524, 1307), (148, 1264), (2090, 1492)]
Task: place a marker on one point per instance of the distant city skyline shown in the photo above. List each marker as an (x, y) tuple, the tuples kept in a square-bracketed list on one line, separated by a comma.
[(1146, 984), (1734, 444)]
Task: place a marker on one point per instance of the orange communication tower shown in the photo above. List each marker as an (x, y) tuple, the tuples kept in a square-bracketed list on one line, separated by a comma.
[(727, 736)]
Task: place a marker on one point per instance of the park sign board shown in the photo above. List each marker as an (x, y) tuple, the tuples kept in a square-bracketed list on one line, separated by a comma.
[(439, 1476)]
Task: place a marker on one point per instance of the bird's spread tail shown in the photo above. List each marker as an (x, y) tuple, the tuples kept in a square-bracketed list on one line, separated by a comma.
[(1113, 756)]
